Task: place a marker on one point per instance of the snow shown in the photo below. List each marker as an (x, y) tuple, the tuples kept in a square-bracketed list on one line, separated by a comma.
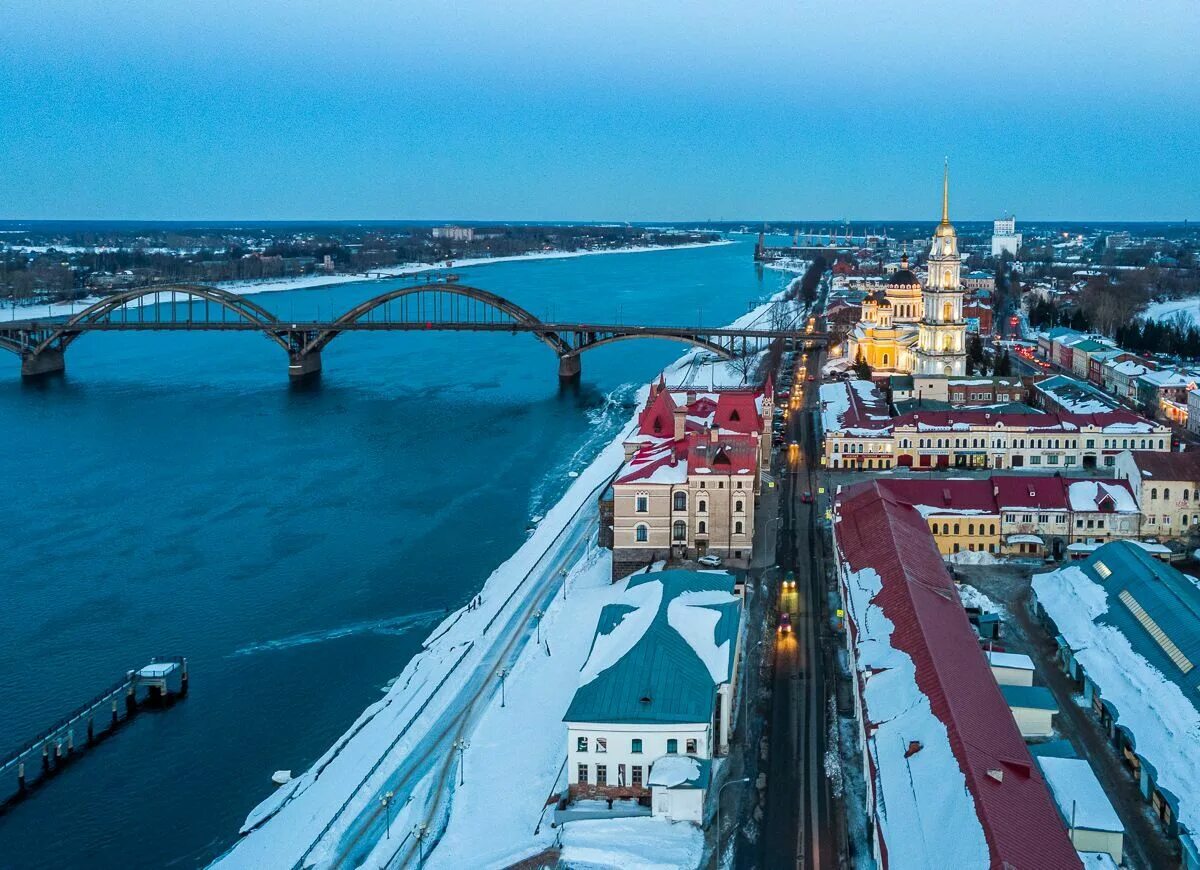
[(921, 797), (928, 510), (630, 844), (693, 617), (608, 649), (158, 670), (1024, 539), (972, 597), (1076, 788), (978, 557), (308, 282), (1188, 308), (1085, 494), (1164, 722), (1016, 661), (673, 770)]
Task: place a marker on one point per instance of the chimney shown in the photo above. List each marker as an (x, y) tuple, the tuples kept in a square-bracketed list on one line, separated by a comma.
[(691, 396), (712, 436), (680, 423)]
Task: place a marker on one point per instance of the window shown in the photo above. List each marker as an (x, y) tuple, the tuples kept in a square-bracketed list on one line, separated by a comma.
[(970, 528), (642, 533), (602, 744), (642, 504), (702, 528), (1166, 494), (581, 744), (737, 507), (690, 746), (739, 484), (956, 527), (672, 747), (602, 774), (720, 484), (737, 528), (681, 501), (1153, 493), (702, 507), (636, 773), (679, 530), (635, 746), (621, 775), (582, 775)]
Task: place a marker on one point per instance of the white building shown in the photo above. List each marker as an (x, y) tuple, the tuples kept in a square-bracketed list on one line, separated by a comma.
[(1005, 237), (1094, 824), (655, 700), (454, 234)]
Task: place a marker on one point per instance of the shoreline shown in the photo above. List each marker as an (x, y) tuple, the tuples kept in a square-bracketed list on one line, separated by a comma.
[(315, 282)]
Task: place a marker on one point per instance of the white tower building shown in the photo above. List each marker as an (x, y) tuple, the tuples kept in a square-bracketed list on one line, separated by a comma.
[(942, 332)]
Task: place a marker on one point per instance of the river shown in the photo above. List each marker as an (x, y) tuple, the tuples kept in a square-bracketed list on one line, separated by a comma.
[(173, 494)]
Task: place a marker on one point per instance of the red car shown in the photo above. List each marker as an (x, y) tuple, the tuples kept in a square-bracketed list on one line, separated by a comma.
[(806, 497), (785, 623), (811, 378)]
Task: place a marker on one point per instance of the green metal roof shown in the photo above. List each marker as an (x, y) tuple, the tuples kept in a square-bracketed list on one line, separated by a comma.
[(661, 678), (1155, 606), (1033, 697)]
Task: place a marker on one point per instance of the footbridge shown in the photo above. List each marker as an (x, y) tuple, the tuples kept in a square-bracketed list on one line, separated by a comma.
[(445, 306)]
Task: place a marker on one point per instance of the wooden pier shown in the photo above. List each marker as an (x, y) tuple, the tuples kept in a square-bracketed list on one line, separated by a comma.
[(156, 686)]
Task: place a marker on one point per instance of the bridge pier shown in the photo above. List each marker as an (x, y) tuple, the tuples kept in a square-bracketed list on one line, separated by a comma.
[(569, 367), (47, 362), (304, 365)]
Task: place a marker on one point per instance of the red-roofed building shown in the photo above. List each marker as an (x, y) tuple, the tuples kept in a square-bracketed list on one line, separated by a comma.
[(690, 478), (950, 780)]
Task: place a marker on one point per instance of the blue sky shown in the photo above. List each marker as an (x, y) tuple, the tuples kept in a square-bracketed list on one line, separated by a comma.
[(591, 110)]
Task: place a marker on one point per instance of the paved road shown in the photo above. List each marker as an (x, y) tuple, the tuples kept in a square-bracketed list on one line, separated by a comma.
[(797, 825)]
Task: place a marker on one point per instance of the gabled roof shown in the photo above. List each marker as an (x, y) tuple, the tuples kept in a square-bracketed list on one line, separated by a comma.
[(660, 652), (875, 530)]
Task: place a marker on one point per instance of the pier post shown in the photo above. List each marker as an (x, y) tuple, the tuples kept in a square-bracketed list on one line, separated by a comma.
[(154, 695), (183, 680), (569, 367), (21, 777), (304, 365), (57, 753), (70, 742), (114, 713), (91, 730), (47, 362), (45, 757), (130, 700)]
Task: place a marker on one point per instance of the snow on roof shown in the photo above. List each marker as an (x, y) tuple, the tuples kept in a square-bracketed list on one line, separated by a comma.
[(158, 670), (1024, 539), (944, 749), (645, 843), (674, 770), (1078, 792), (1162, 719), (854, 408), (629, 622), (696, 621), (1090, 495), (1017, 661)]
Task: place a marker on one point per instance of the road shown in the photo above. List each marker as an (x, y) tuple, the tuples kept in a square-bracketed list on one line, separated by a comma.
[(797, 823)]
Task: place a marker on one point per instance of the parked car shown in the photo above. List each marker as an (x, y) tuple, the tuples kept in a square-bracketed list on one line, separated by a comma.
[(712, 560)]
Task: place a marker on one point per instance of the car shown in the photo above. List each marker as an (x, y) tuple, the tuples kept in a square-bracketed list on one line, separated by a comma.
[(789, 580), (785, 623), (806, 497), (793, 445), (712, 560), (811, 378)]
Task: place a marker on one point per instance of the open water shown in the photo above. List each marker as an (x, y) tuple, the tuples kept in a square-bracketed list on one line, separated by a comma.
[(173, 494)]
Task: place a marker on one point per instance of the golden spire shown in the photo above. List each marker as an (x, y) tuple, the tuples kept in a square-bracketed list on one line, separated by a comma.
[(946, 192)]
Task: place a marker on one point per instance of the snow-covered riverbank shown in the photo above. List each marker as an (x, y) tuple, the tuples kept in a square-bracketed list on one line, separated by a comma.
[(309, 282), (535, 620)]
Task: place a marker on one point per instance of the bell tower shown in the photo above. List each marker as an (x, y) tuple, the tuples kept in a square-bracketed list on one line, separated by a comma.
[(942, 332)]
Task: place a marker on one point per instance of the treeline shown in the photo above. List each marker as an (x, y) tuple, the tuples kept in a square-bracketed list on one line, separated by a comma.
[(1178, 336)]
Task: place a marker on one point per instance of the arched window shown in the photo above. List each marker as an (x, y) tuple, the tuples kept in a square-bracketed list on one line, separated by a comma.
[(681, 501), (1154, 492), (970, 528), (737, 528), (702, 527), (1166, 493), (945, 528), (641, 533), (679, 531), (956, 528), (702, 507), (992, 529), (885, 359), (737, 506)]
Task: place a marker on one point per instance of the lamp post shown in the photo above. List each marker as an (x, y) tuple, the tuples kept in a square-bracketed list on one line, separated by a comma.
[(462, 744), (537, 615), (386, 800), (420, 832), (719, 791), (502, 673)]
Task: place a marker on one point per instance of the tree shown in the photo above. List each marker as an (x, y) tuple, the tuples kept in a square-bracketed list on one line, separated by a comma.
[(975, 358), (862, 369), (1003, 364)]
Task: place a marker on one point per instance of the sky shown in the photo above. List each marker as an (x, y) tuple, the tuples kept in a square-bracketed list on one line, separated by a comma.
[(598, 109)]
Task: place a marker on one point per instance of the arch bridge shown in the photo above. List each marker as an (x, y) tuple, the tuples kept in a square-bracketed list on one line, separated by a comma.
[(442, 306)]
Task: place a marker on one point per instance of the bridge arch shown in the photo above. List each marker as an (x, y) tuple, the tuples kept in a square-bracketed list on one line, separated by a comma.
[(239, 305), (488, 305), (10, 345), (722, 352)]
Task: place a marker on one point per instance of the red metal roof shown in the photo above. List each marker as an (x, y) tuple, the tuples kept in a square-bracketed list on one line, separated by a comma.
[(1022, 825)]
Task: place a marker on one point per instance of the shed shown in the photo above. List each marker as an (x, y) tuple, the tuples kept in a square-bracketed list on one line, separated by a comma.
[(1011, 669), (678, 784), (1083, 803), (1033, 707)]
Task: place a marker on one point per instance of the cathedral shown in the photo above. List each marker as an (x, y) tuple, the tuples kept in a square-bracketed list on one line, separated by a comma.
[(918, 329)]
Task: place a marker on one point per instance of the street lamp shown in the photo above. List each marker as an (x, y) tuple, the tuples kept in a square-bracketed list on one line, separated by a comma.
[(719, 791), (420, 832), (537, 615), (386, 800), (502, 673), (462, 744)]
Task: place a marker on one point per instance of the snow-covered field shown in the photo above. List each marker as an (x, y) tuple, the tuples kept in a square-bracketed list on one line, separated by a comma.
[(406, 742), (1188, 308), (307, 282)]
